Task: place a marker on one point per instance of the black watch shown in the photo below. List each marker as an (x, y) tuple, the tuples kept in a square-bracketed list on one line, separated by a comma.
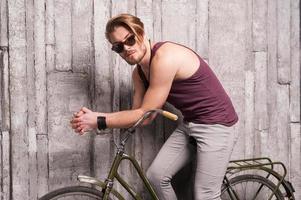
[(101, 123)]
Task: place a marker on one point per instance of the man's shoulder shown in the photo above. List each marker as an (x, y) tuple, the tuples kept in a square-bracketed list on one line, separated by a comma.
[(170, 52)]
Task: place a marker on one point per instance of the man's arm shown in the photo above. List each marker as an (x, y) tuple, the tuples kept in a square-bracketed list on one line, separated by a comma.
[(162, 74), (139, 90)]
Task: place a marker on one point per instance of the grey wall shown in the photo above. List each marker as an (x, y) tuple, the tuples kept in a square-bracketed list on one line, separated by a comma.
[(54, 59)]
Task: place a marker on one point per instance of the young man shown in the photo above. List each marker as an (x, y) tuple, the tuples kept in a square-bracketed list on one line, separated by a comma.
[(171, 72)]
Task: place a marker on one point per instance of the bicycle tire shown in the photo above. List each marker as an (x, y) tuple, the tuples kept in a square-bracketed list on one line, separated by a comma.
[(244, 193), (74, 192)]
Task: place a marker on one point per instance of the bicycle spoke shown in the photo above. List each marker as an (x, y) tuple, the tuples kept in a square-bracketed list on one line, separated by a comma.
[(252, 187)]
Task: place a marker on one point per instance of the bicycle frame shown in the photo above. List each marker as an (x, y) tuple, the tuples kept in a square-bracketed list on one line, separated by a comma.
[(113, 174), (107, 186)]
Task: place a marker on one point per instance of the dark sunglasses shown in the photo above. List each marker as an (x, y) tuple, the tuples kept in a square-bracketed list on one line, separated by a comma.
[(118, 47)]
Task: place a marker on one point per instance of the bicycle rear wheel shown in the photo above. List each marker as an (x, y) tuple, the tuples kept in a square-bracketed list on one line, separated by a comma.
[(251, 187), (74, 193)]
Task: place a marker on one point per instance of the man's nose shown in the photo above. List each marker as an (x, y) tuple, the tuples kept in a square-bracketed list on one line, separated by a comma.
[(126, 47)]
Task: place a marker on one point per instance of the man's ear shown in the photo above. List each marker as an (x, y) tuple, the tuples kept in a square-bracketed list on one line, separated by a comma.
[(109, 39)]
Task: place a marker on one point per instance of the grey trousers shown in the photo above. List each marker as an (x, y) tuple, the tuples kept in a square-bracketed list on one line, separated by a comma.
[(214, 145)]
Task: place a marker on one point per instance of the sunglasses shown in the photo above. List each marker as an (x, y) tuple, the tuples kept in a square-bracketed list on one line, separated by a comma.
[(118, 47)]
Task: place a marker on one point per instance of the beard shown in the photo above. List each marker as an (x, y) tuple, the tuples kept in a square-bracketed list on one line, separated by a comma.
[(133, 61), (137, 57)]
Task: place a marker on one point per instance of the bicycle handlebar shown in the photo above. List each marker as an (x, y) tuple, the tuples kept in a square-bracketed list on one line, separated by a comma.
[(168, 115), (131, 129)]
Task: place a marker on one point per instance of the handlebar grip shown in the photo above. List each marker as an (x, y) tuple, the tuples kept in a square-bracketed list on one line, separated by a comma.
[(170, 115)]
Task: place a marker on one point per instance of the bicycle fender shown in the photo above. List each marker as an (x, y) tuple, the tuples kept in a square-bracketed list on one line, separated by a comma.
[(94, 181), (288, 186)]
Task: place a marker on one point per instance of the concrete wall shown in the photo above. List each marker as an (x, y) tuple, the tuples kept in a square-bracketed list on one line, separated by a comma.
[(54, 59)]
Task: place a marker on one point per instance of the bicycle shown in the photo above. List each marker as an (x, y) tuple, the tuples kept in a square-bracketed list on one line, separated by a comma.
[(232, 188)]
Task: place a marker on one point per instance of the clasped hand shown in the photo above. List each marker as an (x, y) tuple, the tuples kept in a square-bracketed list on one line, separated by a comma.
[(84, 120)]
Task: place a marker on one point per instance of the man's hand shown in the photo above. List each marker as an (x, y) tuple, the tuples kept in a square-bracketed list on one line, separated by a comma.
[(83, 121)]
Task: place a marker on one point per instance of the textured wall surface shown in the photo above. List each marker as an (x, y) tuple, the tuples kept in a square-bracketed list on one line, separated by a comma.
[(54, 59)]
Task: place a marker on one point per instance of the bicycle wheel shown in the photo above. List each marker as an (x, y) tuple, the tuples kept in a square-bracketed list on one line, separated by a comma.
[(74, 193), (251, 187)]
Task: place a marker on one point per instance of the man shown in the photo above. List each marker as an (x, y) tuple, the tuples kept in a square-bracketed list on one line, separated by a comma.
[(171, 72)]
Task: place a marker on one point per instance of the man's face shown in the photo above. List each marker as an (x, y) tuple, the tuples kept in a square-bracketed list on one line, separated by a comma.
[(132, 53)]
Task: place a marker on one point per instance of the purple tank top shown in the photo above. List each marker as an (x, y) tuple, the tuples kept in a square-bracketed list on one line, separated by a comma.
[(201, 97)]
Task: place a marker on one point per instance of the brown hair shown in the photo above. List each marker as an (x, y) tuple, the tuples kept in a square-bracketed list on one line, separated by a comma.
[(130, 22)]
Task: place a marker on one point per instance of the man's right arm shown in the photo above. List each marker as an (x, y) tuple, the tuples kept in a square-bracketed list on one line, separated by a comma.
[(139, 90)]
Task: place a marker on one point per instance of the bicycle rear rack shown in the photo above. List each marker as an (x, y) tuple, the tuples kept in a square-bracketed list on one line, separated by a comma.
[(266, 165)]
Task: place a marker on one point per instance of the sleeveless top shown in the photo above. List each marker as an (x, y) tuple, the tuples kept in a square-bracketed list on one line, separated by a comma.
[(201, 97)]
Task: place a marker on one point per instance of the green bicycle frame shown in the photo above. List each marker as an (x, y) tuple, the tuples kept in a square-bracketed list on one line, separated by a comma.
[(113, 174), (120, 155)]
